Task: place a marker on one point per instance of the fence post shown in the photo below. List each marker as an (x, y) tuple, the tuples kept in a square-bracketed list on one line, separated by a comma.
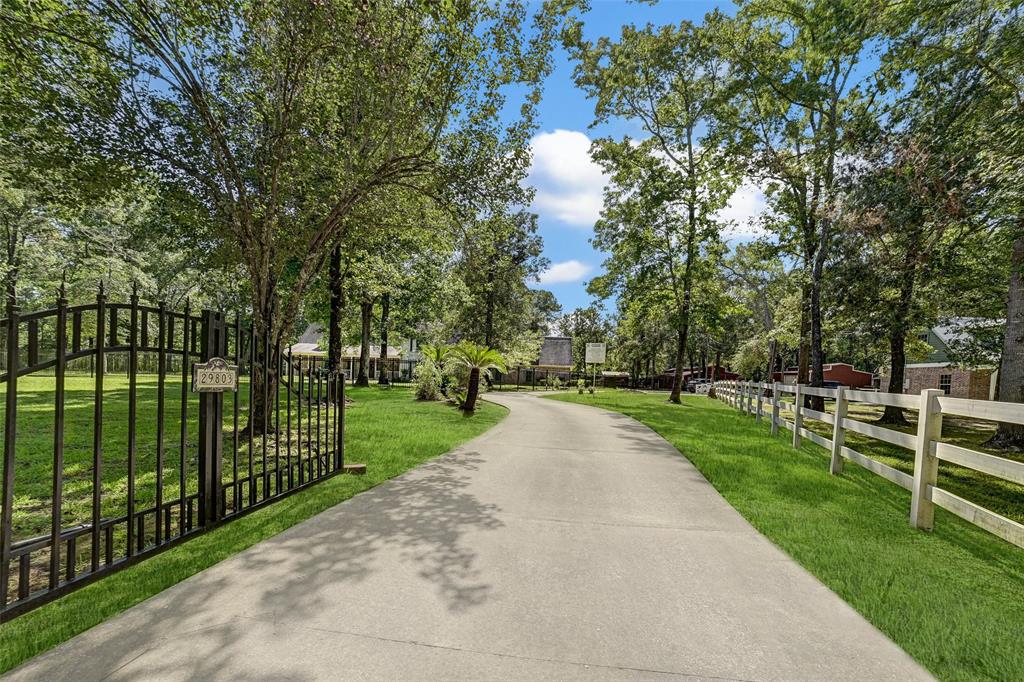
[(10, 443), (838, 432), (798, 416), (750, 397), (926, 465), (210, 426), (760, 402), (775, 409)]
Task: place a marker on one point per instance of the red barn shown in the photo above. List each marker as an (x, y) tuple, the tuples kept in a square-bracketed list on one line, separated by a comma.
[(839, 373), (723, 374)]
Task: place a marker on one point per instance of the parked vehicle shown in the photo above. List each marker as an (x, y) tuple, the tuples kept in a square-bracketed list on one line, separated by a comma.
[(698, 386)]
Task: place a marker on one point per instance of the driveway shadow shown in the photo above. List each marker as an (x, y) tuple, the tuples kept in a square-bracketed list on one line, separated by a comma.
[(304, 571)]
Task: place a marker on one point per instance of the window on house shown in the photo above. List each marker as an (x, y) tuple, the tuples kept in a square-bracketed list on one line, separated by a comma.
[(945, 382), (923, 337)]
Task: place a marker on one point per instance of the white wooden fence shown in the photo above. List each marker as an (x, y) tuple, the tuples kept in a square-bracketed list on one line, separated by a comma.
[(762, 399)]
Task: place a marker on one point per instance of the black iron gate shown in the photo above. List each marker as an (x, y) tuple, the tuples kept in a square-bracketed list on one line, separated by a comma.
[(108, 469)]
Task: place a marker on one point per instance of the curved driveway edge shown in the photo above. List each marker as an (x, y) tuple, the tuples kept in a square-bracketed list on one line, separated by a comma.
[(567, 542)]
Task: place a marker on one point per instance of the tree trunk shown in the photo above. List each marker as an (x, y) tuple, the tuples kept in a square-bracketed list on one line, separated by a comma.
[(472, 391), (1011, 366), (334, 325), (267, 333), (897, 365), (803, 361), (691, 256), (11, 279), (489, 312), (718, 362), (385, 320), (677, 378), (898, 342), (366, 312), (817, 342), (772, 359), (334, 331)]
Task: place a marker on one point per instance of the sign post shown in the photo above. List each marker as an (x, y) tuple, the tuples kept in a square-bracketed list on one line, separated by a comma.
[(596, 355), (211, 379)]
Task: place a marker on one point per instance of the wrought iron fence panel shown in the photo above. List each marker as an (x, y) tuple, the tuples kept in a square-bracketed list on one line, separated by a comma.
[(118, 458)]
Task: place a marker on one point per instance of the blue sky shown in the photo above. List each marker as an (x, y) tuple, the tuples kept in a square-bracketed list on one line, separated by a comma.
[(567, 183)]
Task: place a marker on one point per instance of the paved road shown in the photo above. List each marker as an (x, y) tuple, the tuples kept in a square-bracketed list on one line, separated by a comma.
[(566, 543)]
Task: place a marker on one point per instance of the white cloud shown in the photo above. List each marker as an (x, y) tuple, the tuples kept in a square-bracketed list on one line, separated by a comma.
[(569, 184), (570, 188), (566, 271), (745, 206)]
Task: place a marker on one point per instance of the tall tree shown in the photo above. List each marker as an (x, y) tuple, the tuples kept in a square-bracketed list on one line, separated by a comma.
[(671, 81), (911, 200), (976, 50), (797, 95), (584, 325), (278, 119), (759, 281), (499, 256)]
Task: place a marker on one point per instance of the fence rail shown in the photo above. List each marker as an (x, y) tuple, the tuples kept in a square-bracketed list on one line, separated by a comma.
[(927, 444)]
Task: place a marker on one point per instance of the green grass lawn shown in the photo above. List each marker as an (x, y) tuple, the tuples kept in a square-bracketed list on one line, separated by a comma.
[(385, 428), (951, 598), (34, 454)]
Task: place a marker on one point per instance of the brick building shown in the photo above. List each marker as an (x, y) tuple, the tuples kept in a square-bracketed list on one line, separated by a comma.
[(939, 370), (977, 383)]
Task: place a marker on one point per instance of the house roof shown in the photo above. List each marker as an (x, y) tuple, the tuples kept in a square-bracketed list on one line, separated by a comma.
[(949, 365), (954, 329), (309, 343), (312, 335), (555, 351)]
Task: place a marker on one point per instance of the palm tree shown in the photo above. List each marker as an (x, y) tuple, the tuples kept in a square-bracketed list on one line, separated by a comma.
[(436, 353), (477, 358)]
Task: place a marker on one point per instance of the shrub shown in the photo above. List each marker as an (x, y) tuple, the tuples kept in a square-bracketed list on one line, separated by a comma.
[(427, 379), (580, 385)]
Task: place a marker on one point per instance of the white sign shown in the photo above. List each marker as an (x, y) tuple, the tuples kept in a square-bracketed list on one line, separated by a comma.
[(214, 376), (596, 353)]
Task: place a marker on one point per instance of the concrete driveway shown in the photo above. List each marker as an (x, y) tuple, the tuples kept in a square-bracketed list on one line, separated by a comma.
[(566, 543)]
